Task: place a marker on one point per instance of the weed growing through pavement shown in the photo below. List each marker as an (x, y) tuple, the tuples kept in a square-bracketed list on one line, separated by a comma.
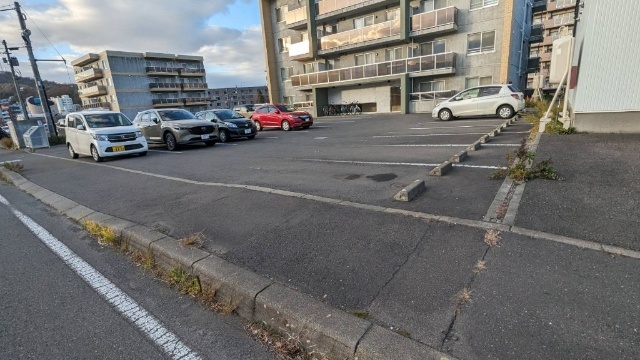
[(4, 178), (521, 167), (464, 296), (361, 314), (492, 237), (104, 234), (144, 259), (404, 333), (480, 266), (161, 229), (13, 166), (194, 239), (7, 143), (286, 346), (183, 280)]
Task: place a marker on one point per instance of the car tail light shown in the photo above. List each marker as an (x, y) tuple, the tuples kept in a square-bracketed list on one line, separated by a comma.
[(515, 96)]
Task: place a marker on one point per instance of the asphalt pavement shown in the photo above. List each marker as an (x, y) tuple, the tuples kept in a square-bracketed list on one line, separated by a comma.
[(535, 299)]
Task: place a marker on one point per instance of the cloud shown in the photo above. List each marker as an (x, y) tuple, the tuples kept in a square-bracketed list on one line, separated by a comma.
[(178, 27)]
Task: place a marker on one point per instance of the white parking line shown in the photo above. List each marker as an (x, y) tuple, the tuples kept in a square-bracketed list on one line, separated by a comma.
[(123, 303), (450, 127), (422, 135), (320, 138), (399, 163), (166, 151), (500, 144), (227, 144), (268, 137), (425, 145), (321, 127)]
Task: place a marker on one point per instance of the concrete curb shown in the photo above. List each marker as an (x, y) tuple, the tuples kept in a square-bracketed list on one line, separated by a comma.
[(459, 157), (326, 329), (441, 169), (411, 191)]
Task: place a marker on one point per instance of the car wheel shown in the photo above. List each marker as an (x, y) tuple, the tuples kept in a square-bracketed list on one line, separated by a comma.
[(505, 112), (251, 137), (71, 152), (209, 143), (144, 153), (258, 126), (95, 155), (445, 115), (224, 136), (170, 141), (286, 126)]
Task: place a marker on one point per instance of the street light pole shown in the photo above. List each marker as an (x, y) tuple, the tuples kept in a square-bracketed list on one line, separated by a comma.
[(26, 33)]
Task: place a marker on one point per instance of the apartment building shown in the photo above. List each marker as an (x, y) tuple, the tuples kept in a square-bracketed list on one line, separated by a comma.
[(131, 82), (391, 55), (548, 17), (63, 104), (226, 98)]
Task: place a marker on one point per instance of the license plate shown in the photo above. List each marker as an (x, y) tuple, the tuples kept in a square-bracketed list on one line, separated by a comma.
[(117, 148), (205, 137), (247, 131)]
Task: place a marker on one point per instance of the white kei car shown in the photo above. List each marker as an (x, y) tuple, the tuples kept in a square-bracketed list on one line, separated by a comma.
[(505, 101), (101, 134)]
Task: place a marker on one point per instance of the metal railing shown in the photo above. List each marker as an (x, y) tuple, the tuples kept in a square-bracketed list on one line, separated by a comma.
[(432, 95), (303, 104), (194, 86), (327, 6), (191, 100), (300, 48), (191, 71), (169, 86), (410, 65), (355, 36), (162, 69), (293, 16), (93, 90), (166, 101), (431, 19), (98, 105)]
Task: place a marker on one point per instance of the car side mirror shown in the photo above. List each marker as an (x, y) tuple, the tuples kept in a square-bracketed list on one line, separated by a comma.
[(80, 127), (458, 98)]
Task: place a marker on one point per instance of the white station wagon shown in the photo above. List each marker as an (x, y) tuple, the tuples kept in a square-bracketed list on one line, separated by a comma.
[(100, 134), (505, 101)]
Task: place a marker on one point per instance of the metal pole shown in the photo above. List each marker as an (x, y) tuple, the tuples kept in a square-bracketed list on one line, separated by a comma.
[(15, 80), (26, 33)]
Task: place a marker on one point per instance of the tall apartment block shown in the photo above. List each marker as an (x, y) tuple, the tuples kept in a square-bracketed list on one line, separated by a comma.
[(548, 17), (391, 55), (227, 98), (132, 82)]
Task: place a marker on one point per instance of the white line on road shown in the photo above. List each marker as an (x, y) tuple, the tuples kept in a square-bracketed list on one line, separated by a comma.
[(320, 138), (227, 144), (166, 151), (398, 163), (425, 145), (321, 126), (268, 137), (420, 135), (487, 144), (452, 127), (122, 302)]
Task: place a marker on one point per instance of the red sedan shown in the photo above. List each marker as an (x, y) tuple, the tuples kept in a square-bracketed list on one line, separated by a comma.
[(284, 117)]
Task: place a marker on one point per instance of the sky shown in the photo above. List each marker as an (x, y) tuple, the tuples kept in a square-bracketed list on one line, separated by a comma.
[(225, 32)]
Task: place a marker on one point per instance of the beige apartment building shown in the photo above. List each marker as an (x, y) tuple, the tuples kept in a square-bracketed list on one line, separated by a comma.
[(132, 82), (548, 17), (391, 55)]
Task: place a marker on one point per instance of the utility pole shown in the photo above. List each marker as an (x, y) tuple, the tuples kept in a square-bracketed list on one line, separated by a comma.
[(26, 33), (10, 60)]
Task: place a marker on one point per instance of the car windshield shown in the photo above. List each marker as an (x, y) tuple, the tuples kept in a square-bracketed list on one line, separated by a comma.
[(286, 108), (176, 115), (106, 120), (228, 115)]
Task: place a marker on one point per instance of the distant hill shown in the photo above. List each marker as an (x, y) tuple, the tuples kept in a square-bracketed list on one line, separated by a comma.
[(52, 88)]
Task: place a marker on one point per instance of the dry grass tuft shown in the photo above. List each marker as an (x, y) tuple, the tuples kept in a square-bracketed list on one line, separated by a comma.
[(286, 346), (480, 266), (184, 281), (4, 178), (464, 296), (194, 239), (361, 314), (13, 166), (7, 143), (103, 234), (492, 237), (144, 259)]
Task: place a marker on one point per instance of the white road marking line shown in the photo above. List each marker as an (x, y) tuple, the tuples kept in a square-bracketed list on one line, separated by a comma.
[(489, 144), (420, 135), (123, 303), (268, 137), (320, 138), (450, 127), (227, 144), (399, 163), (425, 145), (321, 127), (301, 131), (166, 151)]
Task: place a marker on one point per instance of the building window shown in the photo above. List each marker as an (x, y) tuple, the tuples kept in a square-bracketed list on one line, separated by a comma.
[(479, 43), (565, 3), (479, 4), (359, 23), (333, 64), (109, 83), (477, 81), (563, 19), (431, 47), (393, 54), (431, 86), (281, 12), (104, 64), (114, 99), (289, 100), (310, 68), (393, 15), (330, 29), (430, 5), (365, 59), (534, 54), (285, 73), (283, 44)]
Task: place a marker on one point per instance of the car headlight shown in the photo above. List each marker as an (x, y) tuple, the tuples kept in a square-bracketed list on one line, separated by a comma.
[(231, 125), (294, 116), (179, 128), (101, 137), (138, 133)]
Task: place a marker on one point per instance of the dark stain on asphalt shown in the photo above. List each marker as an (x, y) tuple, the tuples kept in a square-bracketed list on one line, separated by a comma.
[(382, 177), (348, 177)]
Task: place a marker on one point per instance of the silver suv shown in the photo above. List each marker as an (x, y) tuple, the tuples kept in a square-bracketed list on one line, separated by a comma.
[(175, 127)]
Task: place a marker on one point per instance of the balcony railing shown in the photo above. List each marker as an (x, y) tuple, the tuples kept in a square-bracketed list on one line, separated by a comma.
[(196, 100), (98, 105), (164, 86), (537, 34), (194, 86), (192, 72), (89, 75), (95, 90), (162, 70), (432, 95), (297, 15), (327, 6), (355, 36), (433, 19), (297, 49), (168, 102), (444, 61), (539, 5)]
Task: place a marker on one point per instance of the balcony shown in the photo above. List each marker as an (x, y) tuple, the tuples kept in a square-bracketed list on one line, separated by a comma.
[(192, 72), (92, 91), (533, 64), (435, 22), (157, 87), (537, 34), (437, 64), (196, 100), (330, 9), (297, 18), (356, 38), (168, 102), (98, 105), (161, 70), (194, 86), (539, 6), (300, 51), (89, 75)]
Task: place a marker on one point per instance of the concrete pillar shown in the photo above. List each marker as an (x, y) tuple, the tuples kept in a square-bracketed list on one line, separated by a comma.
[(270, 52), (405, 90), (320, 100), (405, 20)]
